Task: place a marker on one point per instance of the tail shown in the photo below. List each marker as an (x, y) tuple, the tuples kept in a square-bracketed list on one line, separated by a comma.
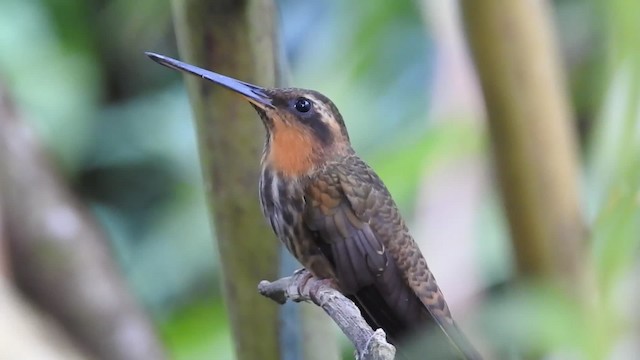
[(462, 344), (429, 337), (445, 325), (436, 343)]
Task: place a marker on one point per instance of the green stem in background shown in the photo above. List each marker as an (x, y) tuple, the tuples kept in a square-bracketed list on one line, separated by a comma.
[(238, 39), (534, 145)]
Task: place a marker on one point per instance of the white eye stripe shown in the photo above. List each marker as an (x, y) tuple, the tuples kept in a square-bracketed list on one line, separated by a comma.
[(321, 109), (325, 114)]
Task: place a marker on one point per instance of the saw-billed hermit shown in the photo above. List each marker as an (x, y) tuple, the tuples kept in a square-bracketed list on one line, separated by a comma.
[(334, 214)]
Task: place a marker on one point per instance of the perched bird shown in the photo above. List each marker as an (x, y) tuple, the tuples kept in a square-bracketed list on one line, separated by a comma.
[(334, 214)]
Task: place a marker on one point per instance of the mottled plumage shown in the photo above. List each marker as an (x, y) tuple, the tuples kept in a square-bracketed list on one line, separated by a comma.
[(341, 222), (334, 214)]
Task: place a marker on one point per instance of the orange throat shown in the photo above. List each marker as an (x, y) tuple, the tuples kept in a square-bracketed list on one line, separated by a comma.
[(292, 152)]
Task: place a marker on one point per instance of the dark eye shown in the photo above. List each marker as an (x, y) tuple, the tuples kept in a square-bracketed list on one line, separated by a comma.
[(302, 105)]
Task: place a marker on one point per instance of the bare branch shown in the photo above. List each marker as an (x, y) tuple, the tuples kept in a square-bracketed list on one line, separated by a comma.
[(60, 256), (302, 286)]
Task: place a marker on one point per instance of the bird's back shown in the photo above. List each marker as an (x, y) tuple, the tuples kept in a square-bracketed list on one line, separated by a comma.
[(376, 261)]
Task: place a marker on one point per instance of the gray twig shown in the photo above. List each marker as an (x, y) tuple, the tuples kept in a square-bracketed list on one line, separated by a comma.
[(302, 286)]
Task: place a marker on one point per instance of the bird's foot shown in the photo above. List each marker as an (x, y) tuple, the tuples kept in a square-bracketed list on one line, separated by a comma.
[(307, 285), (300, 271), (302, 278)]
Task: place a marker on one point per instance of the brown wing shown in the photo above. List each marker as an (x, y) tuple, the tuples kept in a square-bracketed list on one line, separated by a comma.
[(376, 260), (364, 269)]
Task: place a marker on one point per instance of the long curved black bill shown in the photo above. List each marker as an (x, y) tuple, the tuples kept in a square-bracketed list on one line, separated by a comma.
[(253, 93)]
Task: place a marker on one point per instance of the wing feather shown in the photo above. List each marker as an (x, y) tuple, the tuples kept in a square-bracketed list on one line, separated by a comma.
[(364, 268), (377, 263)]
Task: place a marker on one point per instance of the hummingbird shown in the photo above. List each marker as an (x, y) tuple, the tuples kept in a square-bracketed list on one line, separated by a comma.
[(335, 215)]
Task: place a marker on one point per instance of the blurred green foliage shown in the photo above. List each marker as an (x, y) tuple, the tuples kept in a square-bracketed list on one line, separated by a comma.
[(119, 126), (198, 331)]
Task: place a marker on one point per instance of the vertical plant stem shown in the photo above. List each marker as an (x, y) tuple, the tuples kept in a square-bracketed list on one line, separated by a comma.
[(238, 38), (534, 144)]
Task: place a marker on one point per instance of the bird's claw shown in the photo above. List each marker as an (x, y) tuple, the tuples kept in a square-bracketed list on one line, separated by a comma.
[(299, 271)]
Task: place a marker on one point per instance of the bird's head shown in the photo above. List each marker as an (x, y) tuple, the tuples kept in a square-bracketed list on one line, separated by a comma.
[(304, 128)]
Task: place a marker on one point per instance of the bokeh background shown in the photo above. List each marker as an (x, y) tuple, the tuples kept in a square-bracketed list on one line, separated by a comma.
[(119, 130)]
